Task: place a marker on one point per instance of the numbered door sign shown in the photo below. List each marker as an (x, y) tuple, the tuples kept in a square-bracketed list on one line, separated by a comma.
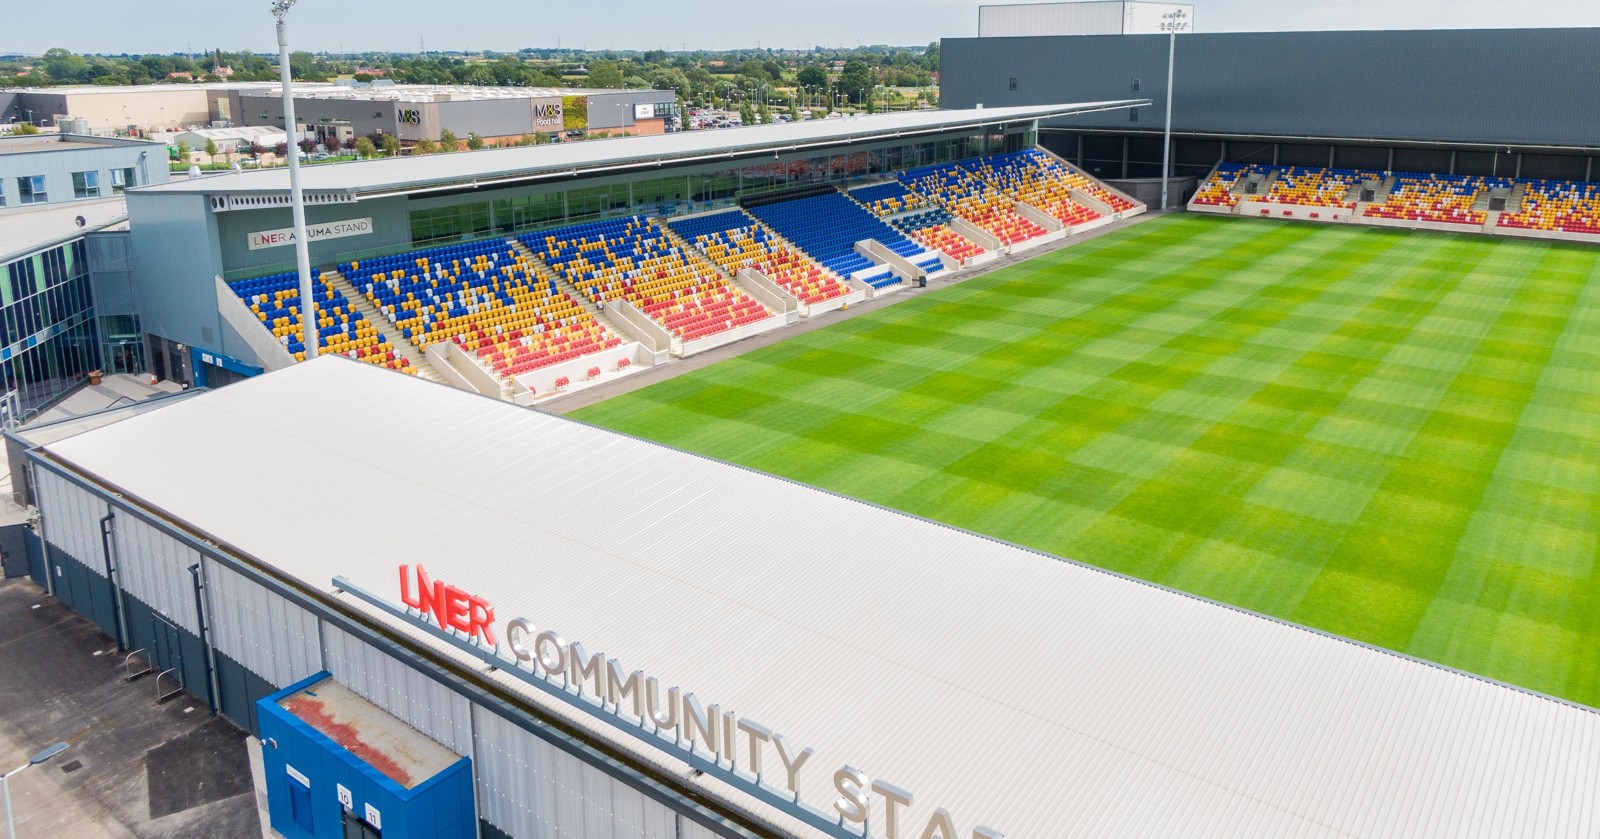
[(346, 798), (374, 818)]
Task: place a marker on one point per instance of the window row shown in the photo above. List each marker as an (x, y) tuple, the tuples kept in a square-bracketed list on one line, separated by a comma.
[(34, 189)]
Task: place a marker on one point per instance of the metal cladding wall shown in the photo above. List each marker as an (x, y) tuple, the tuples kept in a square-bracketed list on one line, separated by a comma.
[(1433, 86), (1091, 18), (528, 787), (529, 780), (405, 692)]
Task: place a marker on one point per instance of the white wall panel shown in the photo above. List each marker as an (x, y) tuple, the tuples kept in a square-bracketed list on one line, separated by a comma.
[(72, 519), (694, 830), (154, 567), (270, 636), (533, 790), (403, 691), (1102, 18)]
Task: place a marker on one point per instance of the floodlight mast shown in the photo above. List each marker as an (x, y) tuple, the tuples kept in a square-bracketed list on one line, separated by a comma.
[(297, 201), (1173, 22)]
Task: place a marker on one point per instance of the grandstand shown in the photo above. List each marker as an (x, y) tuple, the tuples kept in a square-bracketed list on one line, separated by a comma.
[(735, 240), (632, 259), (539, 300), (828, 227), (1507, 206), (932, 229), (971, 198), (341, 329), (1557, 206)]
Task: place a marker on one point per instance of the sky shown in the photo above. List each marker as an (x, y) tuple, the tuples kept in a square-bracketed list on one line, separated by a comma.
[(106, 26)]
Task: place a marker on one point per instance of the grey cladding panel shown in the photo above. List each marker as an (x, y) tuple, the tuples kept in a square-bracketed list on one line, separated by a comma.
[(1457, 86)]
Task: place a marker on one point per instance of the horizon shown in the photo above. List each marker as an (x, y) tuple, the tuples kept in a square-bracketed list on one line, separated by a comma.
[(99, 27)]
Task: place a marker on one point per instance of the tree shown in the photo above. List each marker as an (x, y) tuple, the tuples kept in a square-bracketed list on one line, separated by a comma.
[(391, 145), (605, 74), (764, 113), (474, 141), (183, 152), (424, 146), (448, 141), (812, 77), (855, 79), (25, 128), (364, 147), (747, 114), (211, 150)]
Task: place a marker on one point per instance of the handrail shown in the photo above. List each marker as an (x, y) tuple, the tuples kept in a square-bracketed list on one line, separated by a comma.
[(160, 697), (126, 668)]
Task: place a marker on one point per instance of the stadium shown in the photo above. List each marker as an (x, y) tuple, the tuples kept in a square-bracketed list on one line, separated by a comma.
[(903, 475)]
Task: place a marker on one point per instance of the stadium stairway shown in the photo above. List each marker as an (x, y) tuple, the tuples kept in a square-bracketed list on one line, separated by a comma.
[(402, 347), (1518, 196), (545, 272)]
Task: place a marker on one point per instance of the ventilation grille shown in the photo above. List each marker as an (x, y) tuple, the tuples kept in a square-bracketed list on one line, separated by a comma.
[(224, 203)]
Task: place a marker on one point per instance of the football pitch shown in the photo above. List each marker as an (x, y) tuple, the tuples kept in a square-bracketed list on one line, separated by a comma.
[(1387, 435)]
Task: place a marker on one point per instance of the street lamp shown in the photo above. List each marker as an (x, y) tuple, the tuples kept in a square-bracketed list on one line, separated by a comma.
[(1172, 23), (297, 200), (5, 781)]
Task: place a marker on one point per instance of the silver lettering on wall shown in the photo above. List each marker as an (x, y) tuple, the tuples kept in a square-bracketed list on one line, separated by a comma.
[(707, 735)]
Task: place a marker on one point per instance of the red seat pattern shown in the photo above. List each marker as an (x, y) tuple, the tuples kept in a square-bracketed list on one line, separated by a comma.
[(1435, 198), (635, 260), (953, 244), (1560, 206)]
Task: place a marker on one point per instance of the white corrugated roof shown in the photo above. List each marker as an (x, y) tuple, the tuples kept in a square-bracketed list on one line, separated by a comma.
[(562, 159), (1034, 695)]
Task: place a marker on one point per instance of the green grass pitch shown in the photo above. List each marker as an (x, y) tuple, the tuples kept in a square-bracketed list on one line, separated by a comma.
[(1388, 435)]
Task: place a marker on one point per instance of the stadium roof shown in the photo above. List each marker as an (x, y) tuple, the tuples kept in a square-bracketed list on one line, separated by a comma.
[(1037, 696), (490, 166)]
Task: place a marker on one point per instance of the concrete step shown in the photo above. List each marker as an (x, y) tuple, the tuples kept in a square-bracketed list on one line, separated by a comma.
[(1518, 195), (402, 347)]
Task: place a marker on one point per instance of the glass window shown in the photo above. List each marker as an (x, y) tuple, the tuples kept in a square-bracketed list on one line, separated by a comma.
[(86, 184), (123, 178), (30, 189)]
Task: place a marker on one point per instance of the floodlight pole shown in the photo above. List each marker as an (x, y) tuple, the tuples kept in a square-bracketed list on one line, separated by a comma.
[(297, 201), (1175, 23), (5, 782)]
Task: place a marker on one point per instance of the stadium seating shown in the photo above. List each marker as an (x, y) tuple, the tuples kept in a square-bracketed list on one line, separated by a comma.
[(735, 240), (633, 259), (1561, 206), (485, 298), (828, 226), (970, 197), (1436, 198), (1217, 191), (275, 301), (1303, 186), (931, 229), (889, 199), (1038, 181)]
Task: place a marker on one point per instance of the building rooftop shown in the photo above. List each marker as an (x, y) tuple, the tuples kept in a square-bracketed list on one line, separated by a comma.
[(27, 229), (1031, 694), (30, 143), (491, 166), (124, 90), (436, 93), (402, 753)]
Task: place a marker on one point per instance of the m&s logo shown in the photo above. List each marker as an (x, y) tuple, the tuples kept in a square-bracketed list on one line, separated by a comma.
[(411, 117)]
